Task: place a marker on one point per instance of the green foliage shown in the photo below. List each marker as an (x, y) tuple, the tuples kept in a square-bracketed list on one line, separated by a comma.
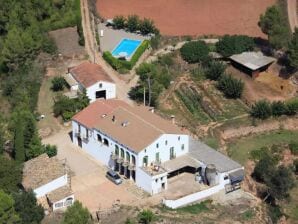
[(274, 213), (50, 150), (146, 216), (261, 109), (119, 22), (146, 26), (10, 175), (19, 149), (132, 23), (293, 146), (292, 106), (194, 51), (215, 70), (155, 42), (264, 168), (275, 26), (196, 208), (236, 44), (231, 87), (118, 64), (258, 154), (35, 147), (293, 49), (278, 108), (248, 214), (27, 208), (58, 83), (8, 214), (76, 214)]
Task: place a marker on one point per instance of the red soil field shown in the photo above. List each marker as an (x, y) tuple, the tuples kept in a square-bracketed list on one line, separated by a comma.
[(193, 17)]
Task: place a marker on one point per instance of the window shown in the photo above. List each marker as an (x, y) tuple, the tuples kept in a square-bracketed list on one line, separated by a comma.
[(156, 180), (100, 85), (68, 202), (116, 150), (122, 153), (166, 142), (59, 205), (106, 142), (145, 161), (178, 138), (99, 138), (79, 128), (182, 147), (157, 157), (157, 145), (226, 177)]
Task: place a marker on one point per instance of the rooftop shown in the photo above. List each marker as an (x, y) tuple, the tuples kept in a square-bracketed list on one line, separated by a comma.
[(252, 60), (135, 127), (41, 170), (59, 194), (89, 73)]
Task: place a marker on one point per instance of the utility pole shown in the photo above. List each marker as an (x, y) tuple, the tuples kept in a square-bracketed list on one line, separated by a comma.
[(149, 86), (144, 96)]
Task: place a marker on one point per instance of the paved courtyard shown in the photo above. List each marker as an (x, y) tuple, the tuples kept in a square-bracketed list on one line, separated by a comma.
[(88, 181), (111, 37)]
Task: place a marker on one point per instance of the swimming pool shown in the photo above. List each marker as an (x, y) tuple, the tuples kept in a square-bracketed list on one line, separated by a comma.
[(126, 48)]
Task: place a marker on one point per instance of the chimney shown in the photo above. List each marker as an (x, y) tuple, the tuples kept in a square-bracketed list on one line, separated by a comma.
[(114, 118), (173, 119)]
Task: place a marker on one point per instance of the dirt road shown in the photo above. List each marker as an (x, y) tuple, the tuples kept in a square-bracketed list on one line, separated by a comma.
[(90, 46), (292, 14)]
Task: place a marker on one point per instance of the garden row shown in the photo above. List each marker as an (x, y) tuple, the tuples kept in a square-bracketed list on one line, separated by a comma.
[(123, 65)]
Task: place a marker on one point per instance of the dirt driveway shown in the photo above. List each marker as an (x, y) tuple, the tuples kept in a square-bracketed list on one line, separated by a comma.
[(88, 180)]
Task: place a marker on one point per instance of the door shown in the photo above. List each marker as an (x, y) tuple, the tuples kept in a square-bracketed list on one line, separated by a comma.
[(80, 142), (172, 153), (100, 94)]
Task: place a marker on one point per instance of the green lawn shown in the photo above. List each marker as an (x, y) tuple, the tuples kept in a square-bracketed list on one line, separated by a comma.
[(240, 149)]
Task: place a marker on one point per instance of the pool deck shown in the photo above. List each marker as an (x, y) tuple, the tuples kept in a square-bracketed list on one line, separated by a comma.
[(111, 38)]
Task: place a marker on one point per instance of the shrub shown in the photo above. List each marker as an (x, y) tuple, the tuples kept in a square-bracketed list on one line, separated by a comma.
[(146, 216), (155, 42), (146, 26), (278, 108), (119, 22), (114, 62), (261, 110), (132, 23), (215, 70), (58, 83), (231, 87), (292, 106), (194, 51), (51, 150), (264, 168), (236, 44), (76, 214), (293, 146)]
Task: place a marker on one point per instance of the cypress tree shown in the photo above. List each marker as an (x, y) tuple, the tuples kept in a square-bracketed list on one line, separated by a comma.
[(19, 149)]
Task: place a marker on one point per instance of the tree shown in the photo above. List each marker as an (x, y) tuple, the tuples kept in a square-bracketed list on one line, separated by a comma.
[(236, 44), (8, 214), (280, 182), (27, 208), (264, 168), (50, 150), (278, 108), (76, 214), (231, 87), (19, 149), (293, 49), (119, 22), (58, 83), (146, 26), (275, 26), (215, 70), (261, 110), (194, 51), (35, 147), (132, 23), (10, 175), (146, 216)]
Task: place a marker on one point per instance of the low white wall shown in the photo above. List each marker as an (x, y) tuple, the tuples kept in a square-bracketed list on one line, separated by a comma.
[(51, 186), (192, 197), (143, 180)]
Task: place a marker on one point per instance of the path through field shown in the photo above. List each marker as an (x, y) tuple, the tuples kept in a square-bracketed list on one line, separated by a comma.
[(292, 14), (193, 17)]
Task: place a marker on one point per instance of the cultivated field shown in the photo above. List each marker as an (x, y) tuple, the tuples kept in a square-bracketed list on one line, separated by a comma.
[(193, 17)]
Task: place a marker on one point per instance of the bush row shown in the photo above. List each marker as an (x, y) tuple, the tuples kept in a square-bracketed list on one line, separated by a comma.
[(118, 64), (264, 109)]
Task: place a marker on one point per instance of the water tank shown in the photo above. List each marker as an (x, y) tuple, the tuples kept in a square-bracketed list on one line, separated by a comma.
[(210, 174)]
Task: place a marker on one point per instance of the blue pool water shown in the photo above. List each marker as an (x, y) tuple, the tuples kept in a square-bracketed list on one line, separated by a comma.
[(127, 46)]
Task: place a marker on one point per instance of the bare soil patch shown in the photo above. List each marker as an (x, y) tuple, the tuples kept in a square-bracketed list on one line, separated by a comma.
[(67, 42), (193, 17)]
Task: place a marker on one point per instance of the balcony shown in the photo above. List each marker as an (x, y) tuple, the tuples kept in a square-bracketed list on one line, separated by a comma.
[(115, 156), (131, 166)]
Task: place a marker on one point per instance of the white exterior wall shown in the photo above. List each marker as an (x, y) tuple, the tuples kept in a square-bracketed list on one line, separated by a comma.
[(97, 149), (51, 186), (163, 149), (63, 203), (110, 89)]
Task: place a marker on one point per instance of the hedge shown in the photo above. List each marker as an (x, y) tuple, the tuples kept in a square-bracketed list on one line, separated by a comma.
[(122, 64)]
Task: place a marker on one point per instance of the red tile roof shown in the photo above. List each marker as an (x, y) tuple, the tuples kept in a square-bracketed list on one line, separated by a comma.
[(142, 126), (88, 74)]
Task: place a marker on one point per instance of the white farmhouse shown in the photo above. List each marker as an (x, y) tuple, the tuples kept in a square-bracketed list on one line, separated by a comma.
[(91, 78), (48, 179), (149, 150)]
